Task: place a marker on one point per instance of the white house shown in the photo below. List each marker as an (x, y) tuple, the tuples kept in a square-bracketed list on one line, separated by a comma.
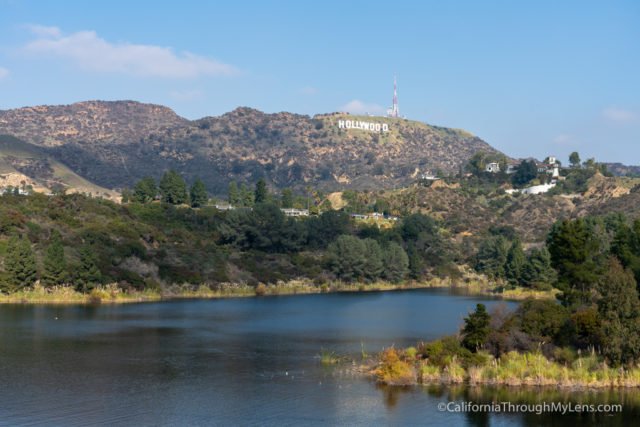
[(295, 212), (492, 167)]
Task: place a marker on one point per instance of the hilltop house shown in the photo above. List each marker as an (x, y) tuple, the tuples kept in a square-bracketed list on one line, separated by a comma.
[(492, 167)]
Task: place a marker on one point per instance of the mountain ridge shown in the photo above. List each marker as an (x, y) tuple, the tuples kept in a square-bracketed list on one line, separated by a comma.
[(115, 143)]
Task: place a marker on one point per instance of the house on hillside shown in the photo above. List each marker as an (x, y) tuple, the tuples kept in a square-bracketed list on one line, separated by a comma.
[(492, 167), (295, 212)]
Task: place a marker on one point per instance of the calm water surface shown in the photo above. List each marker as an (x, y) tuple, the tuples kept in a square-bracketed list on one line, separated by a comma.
[(243, 362)]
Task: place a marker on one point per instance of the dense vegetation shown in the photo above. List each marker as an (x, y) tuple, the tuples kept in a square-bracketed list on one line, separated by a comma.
[(167, 233)]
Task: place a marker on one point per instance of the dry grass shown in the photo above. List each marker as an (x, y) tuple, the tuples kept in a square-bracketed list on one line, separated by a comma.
[(512, 369)]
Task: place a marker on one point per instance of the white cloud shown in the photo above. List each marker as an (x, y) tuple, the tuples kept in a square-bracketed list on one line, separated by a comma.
[(358, 107), (44, 31), (87, 50), (186, 95), (3, 73), (620, 115)]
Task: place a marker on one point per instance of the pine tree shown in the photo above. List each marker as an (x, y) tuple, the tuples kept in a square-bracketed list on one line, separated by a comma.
[(575, 256), (286, 200), (246, 196), (516, 261), (476, 328), (20, 264), (619, 310), (347, 258), (198, 194), (234, 194), (396, 263), (173, 189), (537, 271), (374, 265), (55, 267), (145, 190), (88, 274), (261, 193)]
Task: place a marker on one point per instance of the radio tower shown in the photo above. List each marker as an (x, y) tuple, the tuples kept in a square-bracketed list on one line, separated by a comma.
[(394, 111)]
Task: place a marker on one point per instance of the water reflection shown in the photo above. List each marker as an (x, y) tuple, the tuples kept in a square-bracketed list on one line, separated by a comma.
[(241, 362)]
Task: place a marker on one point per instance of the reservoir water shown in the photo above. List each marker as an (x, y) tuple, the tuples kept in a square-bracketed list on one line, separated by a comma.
[(251, 361)]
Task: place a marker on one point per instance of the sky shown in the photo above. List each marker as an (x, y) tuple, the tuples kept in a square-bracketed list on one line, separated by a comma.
[(532, 78)]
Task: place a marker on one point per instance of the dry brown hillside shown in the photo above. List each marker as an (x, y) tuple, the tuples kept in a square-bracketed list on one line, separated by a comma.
[(114, 144)]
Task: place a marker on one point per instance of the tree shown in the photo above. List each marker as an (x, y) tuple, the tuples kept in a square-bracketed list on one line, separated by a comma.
[(526, 172), (492, 256), (476, 328), (55, 266), (246, 196), (286, 199), (477, 163), (234, 194), (145, 190), (20, 264), (127, 195), (261, 193), (173, 188), (574, 254), (346, 258), (537, 271), (619, 311), (87, 273), (325, 228), (574, 159), (396, 262), (374, 264), (516, 261), (198, 194), (626, 247)]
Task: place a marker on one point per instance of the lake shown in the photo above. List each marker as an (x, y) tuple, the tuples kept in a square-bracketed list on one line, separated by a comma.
[(246, 361)]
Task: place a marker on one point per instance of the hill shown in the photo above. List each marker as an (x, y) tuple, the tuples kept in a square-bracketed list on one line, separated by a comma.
[(117, 143), (23, 164)]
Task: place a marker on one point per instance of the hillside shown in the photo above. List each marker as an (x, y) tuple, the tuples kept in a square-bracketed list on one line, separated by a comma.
[(23, 164), (114, 144)]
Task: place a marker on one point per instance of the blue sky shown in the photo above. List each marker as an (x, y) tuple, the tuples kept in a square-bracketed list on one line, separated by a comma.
[(531, 78)]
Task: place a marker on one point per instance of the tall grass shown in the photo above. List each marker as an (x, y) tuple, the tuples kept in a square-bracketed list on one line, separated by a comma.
[(512, 369)]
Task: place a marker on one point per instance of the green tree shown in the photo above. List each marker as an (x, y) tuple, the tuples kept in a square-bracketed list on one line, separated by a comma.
[(516, 261), (87, 273), (234, 194), (346, 257), (286, 199), (477, 163), (476, 328), (20, 264), (574, 254), (173, 188), (526, 172), (145, 190), (492, 256), (619, 311), (198, 194), (261, 193), (626, 247), (246, 196), (127, 195), (537, 272), (396, 263), (55, 266), (574, 159), (374, 265)]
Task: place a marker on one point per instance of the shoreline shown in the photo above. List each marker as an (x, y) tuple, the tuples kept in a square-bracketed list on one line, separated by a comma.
[(112, 294), (513, 369)]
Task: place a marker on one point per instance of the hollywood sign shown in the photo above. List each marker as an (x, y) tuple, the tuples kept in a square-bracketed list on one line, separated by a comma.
[(357, 124)]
